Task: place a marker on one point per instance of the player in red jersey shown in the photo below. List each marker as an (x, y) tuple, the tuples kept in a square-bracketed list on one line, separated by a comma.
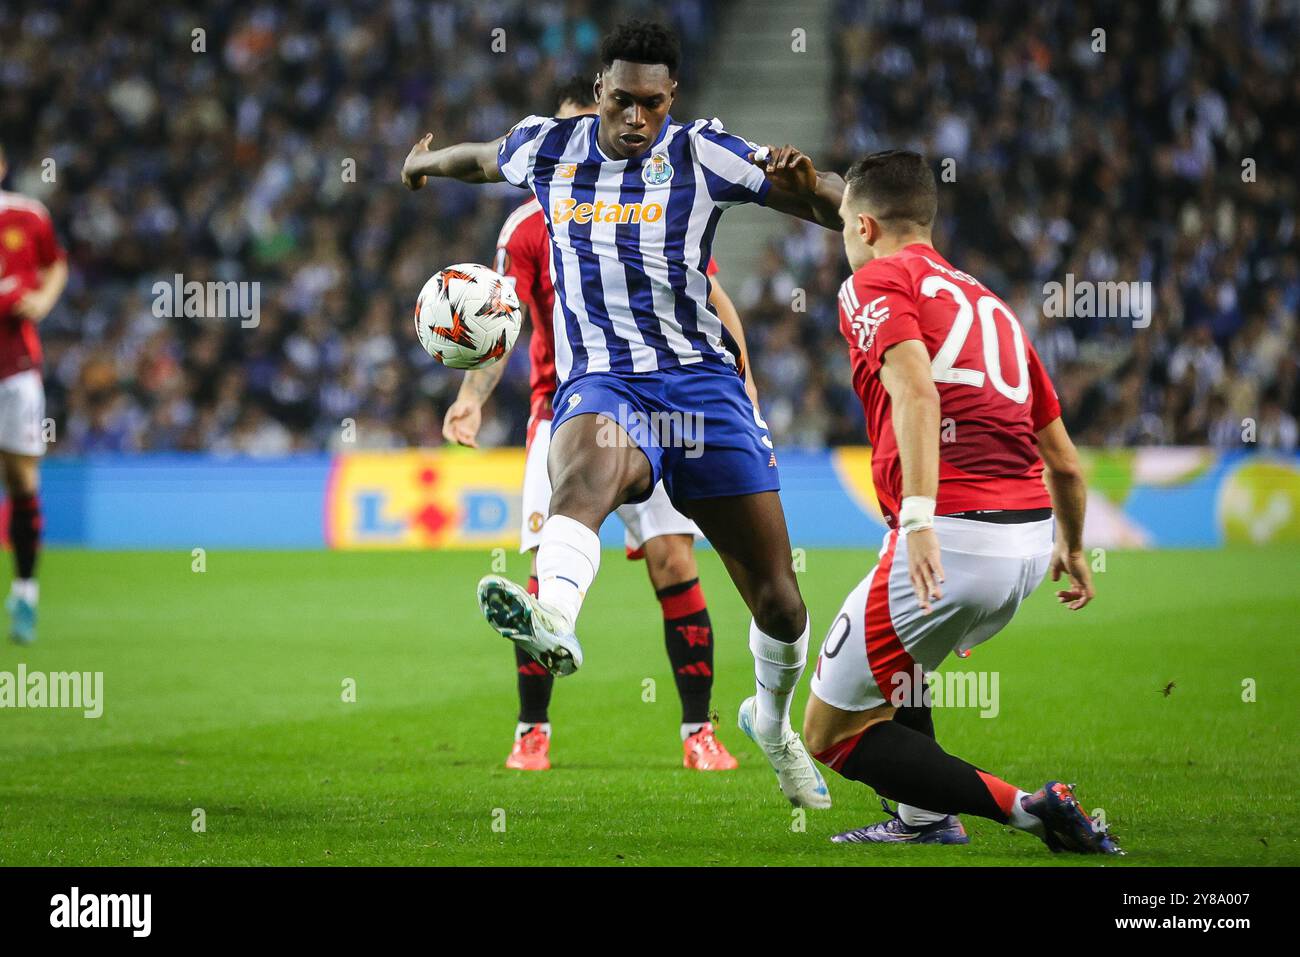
[(33, 272), (961, 417), (654, 529)]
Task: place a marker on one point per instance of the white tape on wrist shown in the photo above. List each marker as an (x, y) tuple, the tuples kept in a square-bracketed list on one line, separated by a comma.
[(916, 513)]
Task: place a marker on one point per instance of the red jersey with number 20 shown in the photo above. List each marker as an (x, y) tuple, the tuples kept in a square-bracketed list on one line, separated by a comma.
[(994, 395)]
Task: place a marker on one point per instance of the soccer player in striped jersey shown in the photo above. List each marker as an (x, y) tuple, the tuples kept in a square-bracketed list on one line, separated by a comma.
[(655, 530), (649, 389)]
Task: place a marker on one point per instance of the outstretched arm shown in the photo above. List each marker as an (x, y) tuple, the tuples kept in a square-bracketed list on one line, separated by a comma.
[(467, 162), (798, 188)]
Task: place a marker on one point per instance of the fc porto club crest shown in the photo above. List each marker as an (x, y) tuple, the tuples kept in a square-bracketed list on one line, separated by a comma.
[(657, 171)]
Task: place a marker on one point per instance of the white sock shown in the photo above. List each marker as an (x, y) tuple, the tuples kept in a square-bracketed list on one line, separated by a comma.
[(1023, 819), (25, 588), (522, 728), (567, 561), (777, 667), (918, 817), (690, 729)]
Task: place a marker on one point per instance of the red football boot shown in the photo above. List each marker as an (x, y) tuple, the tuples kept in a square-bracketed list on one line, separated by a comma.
[(531, 752), (704, 752)]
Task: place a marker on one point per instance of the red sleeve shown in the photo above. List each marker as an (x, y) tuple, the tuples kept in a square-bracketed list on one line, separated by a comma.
[(517, 261), (1046, 408), (712, 268), (48, 250), (878, 310)]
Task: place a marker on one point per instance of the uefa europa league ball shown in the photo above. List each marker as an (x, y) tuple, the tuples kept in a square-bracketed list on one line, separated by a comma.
[(467, 316)]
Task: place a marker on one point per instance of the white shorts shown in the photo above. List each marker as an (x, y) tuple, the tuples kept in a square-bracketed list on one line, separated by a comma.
[(872, 649), (22, 411), (642, 522)]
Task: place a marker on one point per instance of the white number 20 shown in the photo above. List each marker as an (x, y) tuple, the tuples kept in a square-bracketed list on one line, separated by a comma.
[(941, 368)]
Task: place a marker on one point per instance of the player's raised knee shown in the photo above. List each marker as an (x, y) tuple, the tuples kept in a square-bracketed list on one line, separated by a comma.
[(780, 612), (583, 495)]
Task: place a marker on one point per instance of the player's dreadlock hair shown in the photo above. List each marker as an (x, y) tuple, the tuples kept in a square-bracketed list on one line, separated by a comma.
[(897, 185), (576, 90), (641, 41)]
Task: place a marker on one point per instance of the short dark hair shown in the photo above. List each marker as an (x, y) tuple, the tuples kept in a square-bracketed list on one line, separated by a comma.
[(641, 41), (898, 186), (577, 90)]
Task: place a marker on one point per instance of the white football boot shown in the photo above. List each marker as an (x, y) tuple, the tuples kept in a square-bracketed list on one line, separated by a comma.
[(538, 629), (799, 778)]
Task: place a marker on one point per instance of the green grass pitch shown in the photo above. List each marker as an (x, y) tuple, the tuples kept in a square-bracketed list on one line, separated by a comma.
[(223, 692)]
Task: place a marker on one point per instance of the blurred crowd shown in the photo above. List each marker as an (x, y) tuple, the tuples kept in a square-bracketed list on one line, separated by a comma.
[(1078, 142), (261, 142)]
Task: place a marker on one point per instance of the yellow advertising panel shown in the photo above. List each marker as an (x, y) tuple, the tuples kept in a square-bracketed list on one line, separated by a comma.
[(853, 469), (425, 498)]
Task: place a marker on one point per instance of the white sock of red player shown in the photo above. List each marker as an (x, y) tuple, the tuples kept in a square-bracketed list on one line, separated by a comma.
[(1019, 817), (918, 817), (523, 727), (567, 561), (777, 667)]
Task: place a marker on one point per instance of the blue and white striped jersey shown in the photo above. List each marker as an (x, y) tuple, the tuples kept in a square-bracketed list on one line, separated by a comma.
[(631, 239)]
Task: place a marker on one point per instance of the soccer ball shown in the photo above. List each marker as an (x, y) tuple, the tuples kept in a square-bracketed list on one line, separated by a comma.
[(467, 316)]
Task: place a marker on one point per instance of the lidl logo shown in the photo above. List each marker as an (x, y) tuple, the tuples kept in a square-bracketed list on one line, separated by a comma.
[(424, 499)]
